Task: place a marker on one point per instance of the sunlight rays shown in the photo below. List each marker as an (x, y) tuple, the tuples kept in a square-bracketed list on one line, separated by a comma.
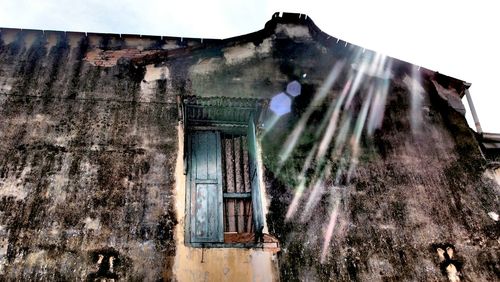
[(357, 111), (291, 141), (330, 228), (416, 99)]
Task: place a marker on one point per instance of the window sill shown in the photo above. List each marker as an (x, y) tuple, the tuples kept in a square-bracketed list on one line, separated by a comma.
[(242, 240)]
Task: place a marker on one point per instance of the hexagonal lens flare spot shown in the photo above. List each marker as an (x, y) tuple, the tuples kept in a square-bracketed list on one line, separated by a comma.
[(281, 104), (293, 88)]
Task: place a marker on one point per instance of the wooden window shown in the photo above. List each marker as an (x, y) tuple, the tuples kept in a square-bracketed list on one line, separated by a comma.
[(236, 185), (223, 193), (205, 187), (223, 207)]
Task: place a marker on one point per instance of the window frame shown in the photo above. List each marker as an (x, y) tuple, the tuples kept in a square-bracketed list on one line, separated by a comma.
[(198, 125)]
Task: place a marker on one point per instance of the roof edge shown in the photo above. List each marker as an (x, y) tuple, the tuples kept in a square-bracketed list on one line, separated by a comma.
[(268, 30)]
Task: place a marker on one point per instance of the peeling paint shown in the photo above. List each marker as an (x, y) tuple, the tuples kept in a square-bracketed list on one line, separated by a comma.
[(170, 45), (109, 58), (12, 186), (94, 40), (136, 43), (6, 87), (294, 31), (206, 66), (234, 55), (149, 83), (52, 40), (74, 39), (93, 224), (4, 244), (30, 38), (155, 73), (8, 36), (89, 156)]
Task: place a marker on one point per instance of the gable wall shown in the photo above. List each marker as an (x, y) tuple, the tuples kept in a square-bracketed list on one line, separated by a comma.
[(90, 162)]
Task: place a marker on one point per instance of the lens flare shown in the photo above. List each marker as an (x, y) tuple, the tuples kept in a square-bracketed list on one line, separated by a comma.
[(416, 99), (377, 109), (296, 199), (293, 138), (332, 124), (358, 109), (358, 129), (331, 226), (341, 138), (316, 193)]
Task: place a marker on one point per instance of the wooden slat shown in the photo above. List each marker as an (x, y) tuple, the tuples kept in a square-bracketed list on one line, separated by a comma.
[(213, 154), (200, 154), (237, 191), (230, 185), (246, 168), (249, 220), (239, 195), (231, 215), (237, 183), (226, 218), (229, 156), (205, 188), (206, 181), (241, 214), (205, 215), (238, 164)]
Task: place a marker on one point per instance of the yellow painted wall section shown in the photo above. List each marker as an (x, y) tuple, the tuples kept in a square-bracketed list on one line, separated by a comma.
[(215, 264), (497, 175), (493, 174)]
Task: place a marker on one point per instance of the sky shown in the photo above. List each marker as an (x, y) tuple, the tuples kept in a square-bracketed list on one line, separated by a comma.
[(457, 38)]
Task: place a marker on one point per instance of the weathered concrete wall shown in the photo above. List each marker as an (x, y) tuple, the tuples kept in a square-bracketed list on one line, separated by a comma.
[(89, 145), (87, 163), (410, 195), (413, 191)]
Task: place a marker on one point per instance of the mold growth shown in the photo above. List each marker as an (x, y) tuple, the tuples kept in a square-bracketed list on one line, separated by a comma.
[(89, 149)]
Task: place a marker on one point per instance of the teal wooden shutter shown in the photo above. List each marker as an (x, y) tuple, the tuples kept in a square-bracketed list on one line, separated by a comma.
[(205, 174), (258, 218)]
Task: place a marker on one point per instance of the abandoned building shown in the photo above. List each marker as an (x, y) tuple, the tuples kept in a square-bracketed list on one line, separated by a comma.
[(281, 155)]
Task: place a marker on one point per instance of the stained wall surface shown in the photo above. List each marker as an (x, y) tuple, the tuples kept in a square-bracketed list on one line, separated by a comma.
[(87, 163), (91, 144)]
